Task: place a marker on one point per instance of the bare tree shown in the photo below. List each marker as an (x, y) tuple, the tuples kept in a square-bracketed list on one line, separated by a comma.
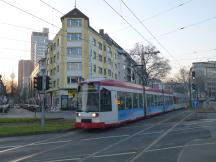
[(180, 81), (155, 67)]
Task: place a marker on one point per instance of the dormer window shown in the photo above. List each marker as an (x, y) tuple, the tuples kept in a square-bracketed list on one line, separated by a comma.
[(74, 22)]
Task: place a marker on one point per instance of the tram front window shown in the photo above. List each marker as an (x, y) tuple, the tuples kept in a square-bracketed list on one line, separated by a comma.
[(90, 101)]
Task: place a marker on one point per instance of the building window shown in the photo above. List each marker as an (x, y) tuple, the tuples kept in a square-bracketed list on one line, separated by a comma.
[(72, 79), (74, 51), (94, 68), (100, 46), (109, 61), (115, 66), (57, 68), (115, 76), (109, 50), (100, 70), (74, 22), (74, 66), (57, 55), (94, 55), (74, 36), (104, 47), (100, 58), (54, 83), (94, 42), (54, 71), (109, 72), (57, 82), (58, 42), (104, 59), (104, 71)]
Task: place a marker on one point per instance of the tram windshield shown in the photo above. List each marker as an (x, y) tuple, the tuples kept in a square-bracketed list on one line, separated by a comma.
[(89, 98)]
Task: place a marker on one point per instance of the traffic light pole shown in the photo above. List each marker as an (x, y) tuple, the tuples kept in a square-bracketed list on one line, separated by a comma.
[(43, 103), (190, 93)]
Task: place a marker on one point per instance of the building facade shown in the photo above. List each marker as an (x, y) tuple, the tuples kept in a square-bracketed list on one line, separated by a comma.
[(78, 52), (25, 68), (204, 79), (39, 42)]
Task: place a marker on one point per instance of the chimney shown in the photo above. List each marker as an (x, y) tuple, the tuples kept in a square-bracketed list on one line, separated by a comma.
[(101, 31)]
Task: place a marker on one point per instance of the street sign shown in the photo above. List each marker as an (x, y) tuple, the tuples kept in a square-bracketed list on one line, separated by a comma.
[(195, 104)]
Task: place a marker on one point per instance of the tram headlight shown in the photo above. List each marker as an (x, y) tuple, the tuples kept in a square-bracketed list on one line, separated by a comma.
[(94, 115), (78, 114)]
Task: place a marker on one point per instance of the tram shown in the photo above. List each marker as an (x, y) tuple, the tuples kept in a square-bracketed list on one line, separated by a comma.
[(110, 103)]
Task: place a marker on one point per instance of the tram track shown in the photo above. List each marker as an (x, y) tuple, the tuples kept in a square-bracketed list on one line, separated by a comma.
[(94, 145), (128, 138), (64, 143), (140, 153), (124, 138)]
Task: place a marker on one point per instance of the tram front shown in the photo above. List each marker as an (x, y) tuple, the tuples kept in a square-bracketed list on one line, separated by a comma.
[(95, 106)]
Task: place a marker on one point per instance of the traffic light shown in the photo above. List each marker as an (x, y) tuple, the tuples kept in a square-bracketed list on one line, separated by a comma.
[(193, 86), (48, 82), (193, 75), (38, 83)]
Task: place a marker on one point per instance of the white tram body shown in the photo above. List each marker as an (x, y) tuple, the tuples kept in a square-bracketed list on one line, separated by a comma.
[(109, 103)]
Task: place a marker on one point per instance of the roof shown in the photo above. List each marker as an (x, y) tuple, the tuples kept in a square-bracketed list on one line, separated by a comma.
[(75, 13), (121, 84)]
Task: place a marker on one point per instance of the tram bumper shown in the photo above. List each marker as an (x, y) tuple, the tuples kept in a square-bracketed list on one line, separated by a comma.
[(90, 125)]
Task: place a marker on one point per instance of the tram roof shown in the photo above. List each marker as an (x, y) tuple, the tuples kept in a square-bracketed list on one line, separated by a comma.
[(121, 84)]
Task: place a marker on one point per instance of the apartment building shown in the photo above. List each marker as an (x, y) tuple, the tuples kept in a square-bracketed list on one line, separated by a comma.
[(78, 52), (205, 78)]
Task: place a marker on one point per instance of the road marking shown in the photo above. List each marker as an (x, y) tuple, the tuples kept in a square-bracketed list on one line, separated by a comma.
[(34, 143), (105, 137), (63, 160), (157, 140), (4, 147), (127, 138), (117, 154), (200, 122), (150, 133), (181, 146), (37, 153)]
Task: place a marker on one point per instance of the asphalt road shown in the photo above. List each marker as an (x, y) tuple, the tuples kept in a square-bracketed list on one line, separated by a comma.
[(180, 136)]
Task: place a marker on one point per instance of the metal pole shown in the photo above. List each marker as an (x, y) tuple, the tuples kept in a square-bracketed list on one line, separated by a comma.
[(143, 82), (190, 94), (43, 102)]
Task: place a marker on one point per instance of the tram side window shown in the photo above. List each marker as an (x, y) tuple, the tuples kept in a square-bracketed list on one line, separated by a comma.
[(140, 100), (167, 100), (121, 100), (135, 100), (149, 100), (129, 101), (161, 100), (155, 103), (105, 100)]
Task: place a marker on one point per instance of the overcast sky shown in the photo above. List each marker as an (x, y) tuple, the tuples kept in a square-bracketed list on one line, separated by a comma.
[(185, 29)]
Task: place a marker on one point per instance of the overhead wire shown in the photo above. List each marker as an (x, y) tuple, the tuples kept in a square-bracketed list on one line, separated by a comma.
[(52, 7), (158, 14), (140, 34), (41, 19), (148, 30), (82, 38), (187, 26)]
